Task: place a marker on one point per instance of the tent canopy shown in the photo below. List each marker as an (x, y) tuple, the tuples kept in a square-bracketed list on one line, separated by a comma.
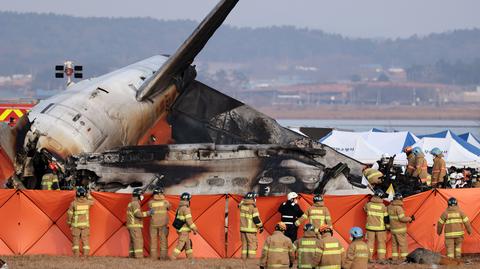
[(450, 135), (471, 139)]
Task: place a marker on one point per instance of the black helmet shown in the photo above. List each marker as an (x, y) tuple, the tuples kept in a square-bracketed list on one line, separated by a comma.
[(250, 195), (81, 192), (157, 191), (317, 198), (398, 196), (185, 196), (379, 193), (309, 227), (137, 193), (452, 201)]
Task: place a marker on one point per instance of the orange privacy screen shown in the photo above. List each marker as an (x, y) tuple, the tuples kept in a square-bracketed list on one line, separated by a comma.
[(34, 222)]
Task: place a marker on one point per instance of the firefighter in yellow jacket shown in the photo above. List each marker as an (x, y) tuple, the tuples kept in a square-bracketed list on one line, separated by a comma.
[(78, 217), (373, 176), (331, 250), (439, 169), (410, 161), (377, 219), (185, 224), (455, 221), (250, 223), (278, 251), (307, 248), (135, 224), (50, 179), (421, 166), (357, 253), (398, 227), (317, 214), (159, 207)]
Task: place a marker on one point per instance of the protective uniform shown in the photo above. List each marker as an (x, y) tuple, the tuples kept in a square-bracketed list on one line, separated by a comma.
[(410, 164), (308, 248), (373, 176), (357, 253), (184, 214), (421, 168), (331, 250), (135, 224), (78, 217), (159, 207), (439, 169), (398, 228), (376, 216), (454, 220), (250, 223), (317, 214), (278, 251), (50, 182), (290, 212)]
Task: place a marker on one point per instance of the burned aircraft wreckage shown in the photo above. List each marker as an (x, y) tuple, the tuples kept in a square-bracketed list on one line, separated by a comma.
[(95, 133)]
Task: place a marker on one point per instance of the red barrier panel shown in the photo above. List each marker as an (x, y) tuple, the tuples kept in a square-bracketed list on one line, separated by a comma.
[(34, 222)]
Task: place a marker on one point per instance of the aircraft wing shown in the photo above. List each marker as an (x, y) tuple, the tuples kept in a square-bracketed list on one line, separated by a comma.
[(187, 52)]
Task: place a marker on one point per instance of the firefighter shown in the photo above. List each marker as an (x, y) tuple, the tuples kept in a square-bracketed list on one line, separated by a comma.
[(317, 214), (290, 212), (377, 219), (50, 179), (159, 224), (357, 253), (398, 227), (439, 169), (373, 176), (410, 161), (331, 250), (135, 224), (184, 216), (455, 221), (421, 166), (78, 217), (278, 250), (308, 248), (250, 223)]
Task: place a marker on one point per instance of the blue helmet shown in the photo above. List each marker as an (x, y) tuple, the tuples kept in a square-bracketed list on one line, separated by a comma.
[(356, 232), (436, 151), (417, 150)]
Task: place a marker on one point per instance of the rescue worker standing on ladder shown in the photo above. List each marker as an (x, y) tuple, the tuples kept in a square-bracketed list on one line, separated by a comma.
[(135, 224), (50, 179), (250, 223), (439, 169), (79, 220), (454, 220), (278, 250), (331, 250), (317, 214), (308, 248), (377, 219), (290, 212), (184, 217), (398, 227), (357, 253), (410, 161), (159, 224), (421, 166)]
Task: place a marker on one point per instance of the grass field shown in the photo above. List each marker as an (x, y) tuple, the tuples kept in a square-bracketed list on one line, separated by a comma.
[(40, 262)]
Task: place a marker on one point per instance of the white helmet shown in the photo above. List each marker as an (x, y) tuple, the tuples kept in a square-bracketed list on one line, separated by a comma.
[(459, 176), (385, 156), (453, 175), (292, 195)]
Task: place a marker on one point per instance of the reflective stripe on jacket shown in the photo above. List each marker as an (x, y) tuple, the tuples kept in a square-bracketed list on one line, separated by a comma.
[(50, 182), (308, 250), (398, 220), (439, 169), (332, 253), (135, 215), (318, 215), (160, 206), (357, 255), (278, 251), (184, 214)]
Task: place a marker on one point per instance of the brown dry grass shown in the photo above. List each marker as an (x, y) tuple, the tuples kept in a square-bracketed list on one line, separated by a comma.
[(54, 262)]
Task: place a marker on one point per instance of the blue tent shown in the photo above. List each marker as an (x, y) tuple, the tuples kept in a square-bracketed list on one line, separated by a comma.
[(455, 137), (470, 138)]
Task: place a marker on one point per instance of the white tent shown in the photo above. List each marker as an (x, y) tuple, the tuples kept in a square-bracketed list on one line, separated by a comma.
[(353, 145), (455, 154)]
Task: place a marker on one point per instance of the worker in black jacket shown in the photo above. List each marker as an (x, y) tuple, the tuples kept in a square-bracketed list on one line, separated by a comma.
[(290, 212)]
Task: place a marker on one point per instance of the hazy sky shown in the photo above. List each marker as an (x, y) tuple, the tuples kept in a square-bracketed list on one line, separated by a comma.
[(356, 18)]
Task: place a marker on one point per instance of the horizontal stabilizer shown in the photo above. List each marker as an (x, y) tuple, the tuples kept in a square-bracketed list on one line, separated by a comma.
[(184, 56)]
